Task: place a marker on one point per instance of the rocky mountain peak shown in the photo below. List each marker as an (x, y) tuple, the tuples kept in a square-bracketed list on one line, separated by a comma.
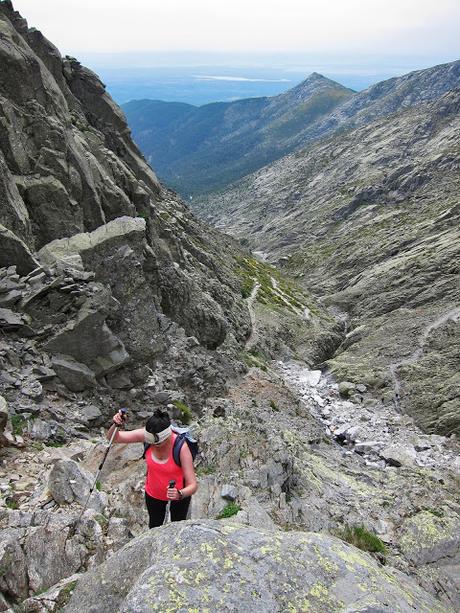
[(314, 84)]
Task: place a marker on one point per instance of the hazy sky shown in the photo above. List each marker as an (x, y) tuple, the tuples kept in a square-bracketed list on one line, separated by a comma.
[(378, 27)]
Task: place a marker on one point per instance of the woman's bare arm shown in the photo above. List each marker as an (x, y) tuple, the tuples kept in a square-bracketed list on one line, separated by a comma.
[(131, 436), (186, 461)]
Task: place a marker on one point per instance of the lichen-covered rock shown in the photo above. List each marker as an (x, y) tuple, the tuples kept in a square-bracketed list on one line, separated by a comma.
[(431, 536), (204, 565), (52, 599)]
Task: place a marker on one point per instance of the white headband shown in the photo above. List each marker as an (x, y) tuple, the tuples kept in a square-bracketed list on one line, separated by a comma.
[(155, 438)]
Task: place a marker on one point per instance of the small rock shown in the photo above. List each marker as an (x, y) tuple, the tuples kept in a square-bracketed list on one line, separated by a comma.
[(310, 377), (91, 413), (33, 389), (229, 492), (368, 447), (346, 388), (399, 455), (75, 376)]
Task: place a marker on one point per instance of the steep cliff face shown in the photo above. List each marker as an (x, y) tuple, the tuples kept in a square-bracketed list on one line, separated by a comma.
[(69, 168), (369, 220)]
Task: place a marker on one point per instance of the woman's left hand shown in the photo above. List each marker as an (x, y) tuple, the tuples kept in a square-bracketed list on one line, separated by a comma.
[(173, 494)]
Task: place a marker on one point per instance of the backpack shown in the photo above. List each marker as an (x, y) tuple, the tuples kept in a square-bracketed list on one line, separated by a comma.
[(183, 436)]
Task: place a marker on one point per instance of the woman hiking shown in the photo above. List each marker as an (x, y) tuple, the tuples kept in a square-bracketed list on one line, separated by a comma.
[(161, 467)]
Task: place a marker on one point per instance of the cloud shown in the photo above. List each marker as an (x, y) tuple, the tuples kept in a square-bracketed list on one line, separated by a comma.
[(227, 78), (339, 26)]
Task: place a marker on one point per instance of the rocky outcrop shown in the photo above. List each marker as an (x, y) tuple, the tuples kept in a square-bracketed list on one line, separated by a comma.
[(127, 274), (15, 253), (237, 568), (368, 221)]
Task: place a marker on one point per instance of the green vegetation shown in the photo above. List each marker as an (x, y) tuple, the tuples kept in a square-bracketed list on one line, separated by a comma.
[(208, 469), (102, 520), (230, 509), (12, 504), (98, 485), (186, 413), (362, 539), (436, 512), (18, 424), (252, 360), (64, 595), (274, 406), (275, 290)]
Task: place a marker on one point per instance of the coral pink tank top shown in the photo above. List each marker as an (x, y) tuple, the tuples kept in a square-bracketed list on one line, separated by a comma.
[(160, 474)]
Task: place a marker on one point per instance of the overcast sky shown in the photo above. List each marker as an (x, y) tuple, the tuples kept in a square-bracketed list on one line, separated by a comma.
[(377, 27)]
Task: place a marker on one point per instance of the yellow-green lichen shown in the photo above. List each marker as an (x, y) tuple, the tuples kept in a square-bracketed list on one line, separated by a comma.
[(424, 531)]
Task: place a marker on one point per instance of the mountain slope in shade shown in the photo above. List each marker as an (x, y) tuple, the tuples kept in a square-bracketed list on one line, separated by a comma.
[(195, 149), (370, 221)]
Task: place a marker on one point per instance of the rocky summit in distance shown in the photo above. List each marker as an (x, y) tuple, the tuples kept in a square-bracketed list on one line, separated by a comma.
[(198, 149), (368, 220)]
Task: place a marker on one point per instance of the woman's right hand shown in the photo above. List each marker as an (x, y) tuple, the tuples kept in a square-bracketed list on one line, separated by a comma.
[(119, 418)]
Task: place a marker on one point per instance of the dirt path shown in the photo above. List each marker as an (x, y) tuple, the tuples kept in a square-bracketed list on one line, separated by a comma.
[(454, 315), (253, 337)]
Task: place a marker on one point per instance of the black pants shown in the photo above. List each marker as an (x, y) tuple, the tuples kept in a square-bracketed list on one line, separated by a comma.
[(157, 510)]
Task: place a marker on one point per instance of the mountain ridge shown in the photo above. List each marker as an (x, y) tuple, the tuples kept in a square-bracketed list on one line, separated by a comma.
[(208, 147), (221, 140)]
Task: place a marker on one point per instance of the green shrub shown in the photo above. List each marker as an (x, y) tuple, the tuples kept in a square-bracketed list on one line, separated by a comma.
[(102, 520), (230, 509), (65, 595), (209, 469), (186, 413), (274, 406), (12, 504), (362, 539), (18, 424)]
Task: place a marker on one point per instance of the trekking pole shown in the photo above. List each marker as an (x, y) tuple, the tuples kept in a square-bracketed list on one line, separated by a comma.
[(114, 433), (172, 484)]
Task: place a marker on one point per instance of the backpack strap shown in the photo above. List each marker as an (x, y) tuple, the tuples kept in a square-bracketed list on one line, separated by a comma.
[(180, 440)]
